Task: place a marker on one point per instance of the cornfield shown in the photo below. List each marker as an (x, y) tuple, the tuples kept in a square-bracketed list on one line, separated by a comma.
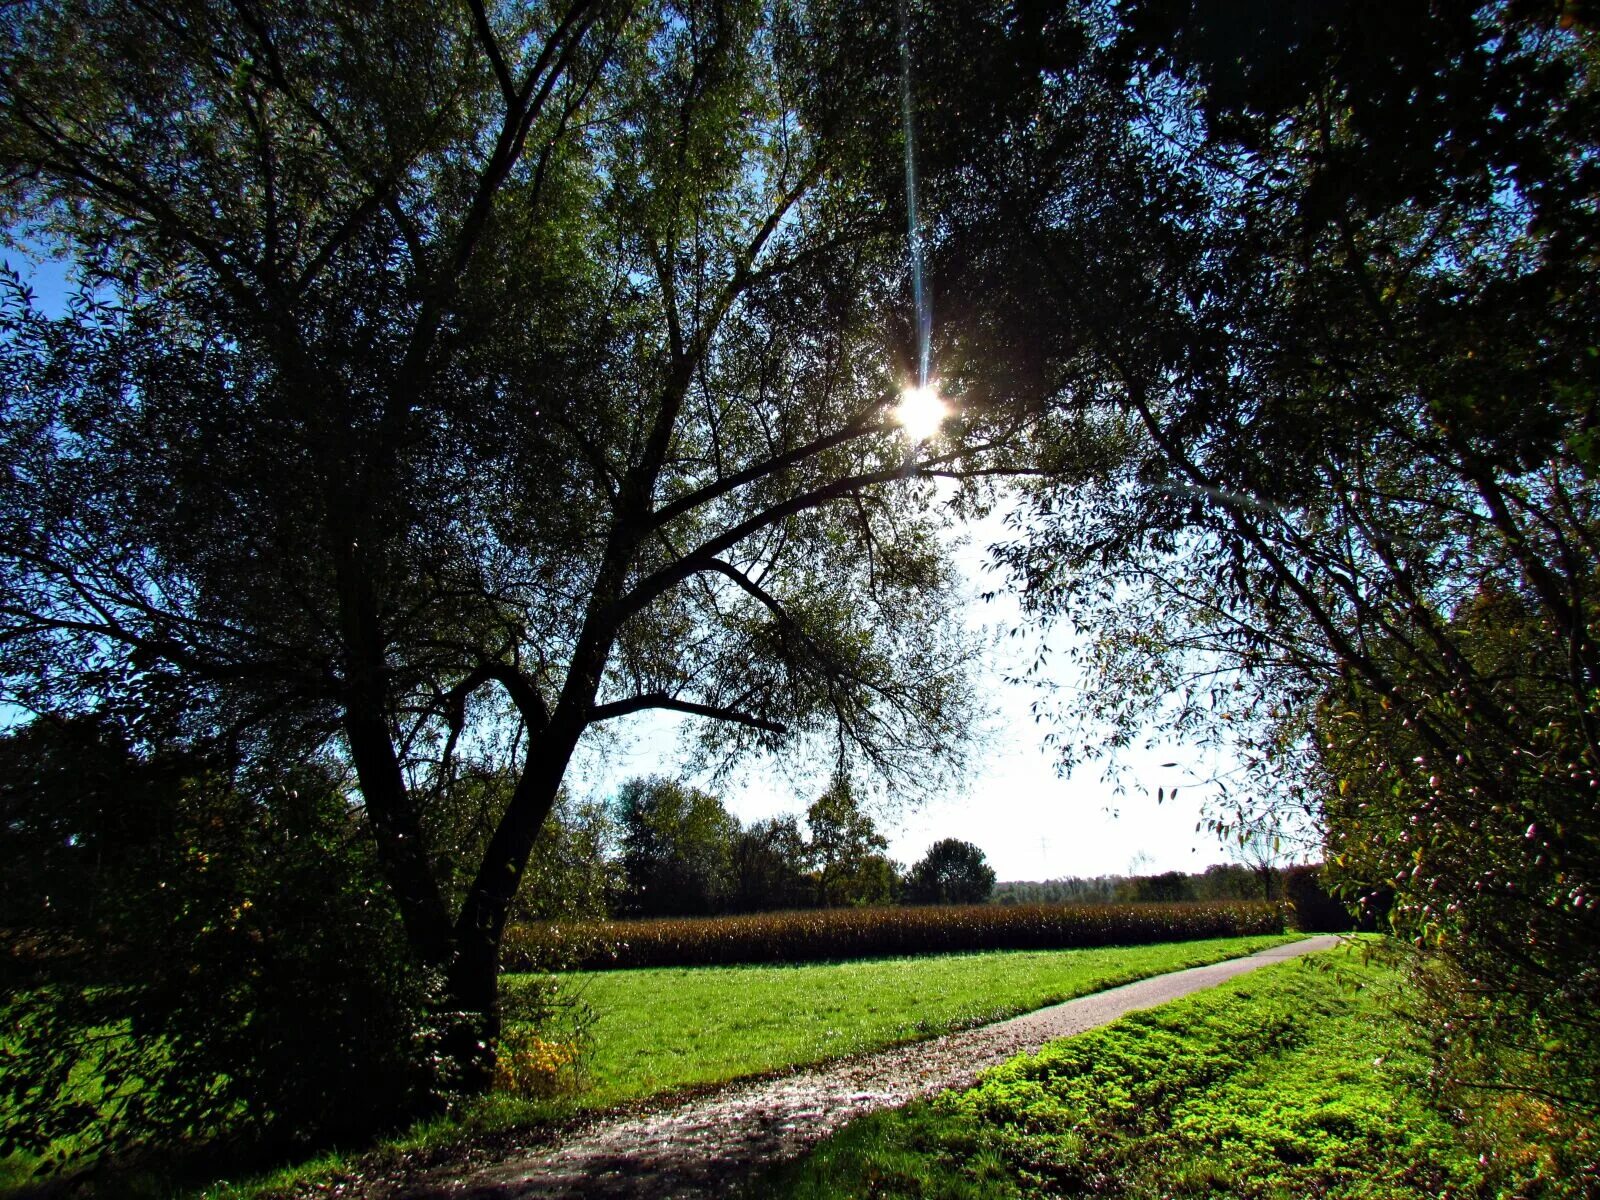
[(846, 933)]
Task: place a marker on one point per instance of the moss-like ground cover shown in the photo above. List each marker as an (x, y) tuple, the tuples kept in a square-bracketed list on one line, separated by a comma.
[(1295, 1081)]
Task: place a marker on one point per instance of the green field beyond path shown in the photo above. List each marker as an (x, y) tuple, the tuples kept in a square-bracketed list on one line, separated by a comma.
[(667, 1028)]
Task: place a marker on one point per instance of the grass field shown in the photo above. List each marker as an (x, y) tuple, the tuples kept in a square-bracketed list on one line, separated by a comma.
[(667, 1028), (661, 1030), (1294, 1081)]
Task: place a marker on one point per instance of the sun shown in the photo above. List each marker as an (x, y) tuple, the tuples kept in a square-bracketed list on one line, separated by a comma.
[(921, 411)]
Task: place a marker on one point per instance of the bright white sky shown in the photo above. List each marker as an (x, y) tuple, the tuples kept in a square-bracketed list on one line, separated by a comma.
[(1030, 822)]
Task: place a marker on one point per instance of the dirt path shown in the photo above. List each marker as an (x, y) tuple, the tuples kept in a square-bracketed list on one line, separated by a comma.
[(704, 1146)]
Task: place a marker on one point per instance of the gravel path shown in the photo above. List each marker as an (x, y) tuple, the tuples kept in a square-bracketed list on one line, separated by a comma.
[(704, 1146)]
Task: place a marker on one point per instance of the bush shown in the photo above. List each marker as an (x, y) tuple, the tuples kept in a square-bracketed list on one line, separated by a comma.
[(229, 967), (877, 932), (1312, 908), (546, 1040)]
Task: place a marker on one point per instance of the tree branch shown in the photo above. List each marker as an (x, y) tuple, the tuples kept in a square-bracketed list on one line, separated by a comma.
[(530, 704), (851, 430), (491, 49), (633, 704)]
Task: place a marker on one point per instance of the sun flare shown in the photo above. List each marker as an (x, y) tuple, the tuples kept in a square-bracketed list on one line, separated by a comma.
[(921, 411)]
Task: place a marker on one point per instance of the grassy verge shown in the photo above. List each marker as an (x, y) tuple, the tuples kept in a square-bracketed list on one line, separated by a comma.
[(1294, 1081), (662, 1030)]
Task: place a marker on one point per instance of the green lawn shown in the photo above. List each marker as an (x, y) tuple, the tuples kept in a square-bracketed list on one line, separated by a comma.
[(664, 1028), (1295, 1081)]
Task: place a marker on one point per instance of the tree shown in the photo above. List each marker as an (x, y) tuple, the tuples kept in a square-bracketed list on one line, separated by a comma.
[(677, 849), (572, 873), (770, 861), (847, 849), (1163, 888), (1332, 353), (451, 375), (951, 872), (1227, 881)]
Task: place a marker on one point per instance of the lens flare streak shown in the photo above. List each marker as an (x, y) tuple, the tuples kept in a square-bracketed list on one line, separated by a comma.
[(919, 291)]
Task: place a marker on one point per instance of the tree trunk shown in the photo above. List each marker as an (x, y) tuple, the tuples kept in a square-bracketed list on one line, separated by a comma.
[(473, 979)]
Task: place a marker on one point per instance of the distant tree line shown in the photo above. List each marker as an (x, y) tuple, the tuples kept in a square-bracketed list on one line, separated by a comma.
[(1221, 881), (1300, 886), (664, 848)]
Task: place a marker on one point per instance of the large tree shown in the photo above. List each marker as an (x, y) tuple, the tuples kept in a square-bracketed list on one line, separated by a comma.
[(1335, 317), (448, 378)]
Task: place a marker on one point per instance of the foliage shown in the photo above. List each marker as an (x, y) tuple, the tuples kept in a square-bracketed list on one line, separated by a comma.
[(847, 850), (1492, 856), (571, 873), (529, 1066), (1327, 377), (820, 934), (547, 1041), (952, 872), (1293, 1081), (1229, 881), (770, 866), (662, 1029), (677, 849), (1220, 881), (1163, 888), (459, 376), (684, 854), (1311, 908), (218, 958)]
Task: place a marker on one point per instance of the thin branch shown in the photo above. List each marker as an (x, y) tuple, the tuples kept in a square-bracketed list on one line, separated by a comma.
[(848, 432), (491, 49)]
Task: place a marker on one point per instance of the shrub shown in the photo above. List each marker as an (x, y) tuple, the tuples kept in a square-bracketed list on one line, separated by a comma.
[(545, 1039), (878, 932), (1312, 909), (530, 1066), (229, 967)]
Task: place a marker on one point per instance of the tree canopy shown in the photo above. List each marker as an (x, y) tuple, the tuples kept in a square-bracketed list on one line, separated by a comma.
[(447, 379), (951, 872), (1324, 292)]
